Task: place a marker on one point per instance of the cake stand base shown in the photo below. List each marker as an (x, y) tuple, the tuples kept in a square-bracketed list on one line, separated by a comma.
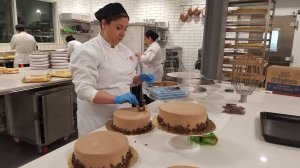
[(181, 142)]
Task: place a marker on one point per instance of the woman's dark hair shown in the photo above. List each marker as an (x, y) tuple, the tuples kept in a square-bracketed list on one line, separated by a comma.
[(20, 27), (70, 38), (110, 12), (151, 34)]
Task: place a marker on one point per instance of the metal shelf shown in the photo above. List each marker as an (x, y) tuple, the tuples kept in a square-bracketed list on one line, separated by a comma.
[(248, 3), (249, 30), (82, 34), (244, 39), (74, 20), (246, 13), (245, 46)]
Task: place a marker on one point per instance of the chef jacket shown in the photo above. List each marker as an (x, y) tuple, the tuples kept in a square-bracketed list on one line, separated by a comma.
[(96, 66), (151, 61), (72, 45), (24, 44)]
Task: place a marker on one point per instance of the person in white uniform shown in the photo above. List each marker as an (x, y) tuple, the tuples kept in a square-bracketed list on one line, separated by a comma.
[(72, 44), (151, 59), (103, 71), (24, 44)]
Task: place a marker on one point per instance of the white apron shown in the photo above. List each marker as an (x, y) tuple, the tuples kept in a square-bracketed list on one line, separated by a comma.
[(115, 74)]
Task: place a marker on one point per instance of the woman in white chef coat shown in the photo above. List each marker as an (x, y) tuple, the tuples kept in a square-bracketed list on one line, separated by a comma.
[(72, 44), (103, 70), (24, 44), (151, 59)]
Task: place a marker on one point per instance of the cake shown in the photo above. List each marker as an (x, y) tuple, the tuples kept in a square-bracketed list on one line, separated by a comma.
[(102, 149), (183, 117), (131, 121)]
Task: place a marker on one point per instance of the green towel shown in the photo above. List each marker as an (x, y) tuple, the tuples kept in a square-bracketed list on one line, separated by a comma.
[(207, 139)]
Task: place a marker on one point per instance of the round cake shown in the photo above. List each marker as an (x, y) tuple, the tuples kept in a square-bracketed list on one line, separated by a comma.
[(101, 149), (131, 121), (183, 117)]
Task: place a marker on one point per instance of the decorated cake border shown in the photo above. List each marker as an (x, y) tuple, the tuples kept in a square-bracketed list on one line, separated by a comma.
[(132, 161), (109, 126), (209, 127)]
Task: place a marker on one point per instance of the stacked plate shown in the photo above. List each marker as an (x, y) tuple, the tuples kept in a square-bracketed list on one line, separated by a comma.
[(59, 59), (39, 60)]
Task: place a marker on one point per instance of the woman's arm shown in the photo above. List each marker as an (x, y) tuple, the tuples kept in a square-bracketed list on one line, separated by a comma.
[(103, 98)]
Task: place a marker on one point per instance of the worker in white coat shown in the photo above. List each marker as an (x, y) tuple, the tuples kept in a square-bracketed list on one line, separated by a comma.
[(24, 44), (103, 70), (151, 59), (72, 44)]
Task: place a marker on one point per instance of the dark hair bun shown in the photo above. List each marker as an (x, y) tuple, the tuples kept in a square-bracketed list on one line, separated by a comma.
[(110, 10), (151, 34), (70, 38)]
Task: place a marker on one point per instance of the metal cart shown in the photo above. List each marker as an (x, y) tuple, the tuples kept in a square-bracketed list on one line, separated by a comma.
[(41, 116)]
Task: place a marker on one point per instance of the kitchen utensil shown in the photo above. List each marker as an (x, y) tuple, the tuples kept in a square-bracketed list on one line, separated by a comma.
[(246, 75), (183, 16), (190, 11), (197, 11)]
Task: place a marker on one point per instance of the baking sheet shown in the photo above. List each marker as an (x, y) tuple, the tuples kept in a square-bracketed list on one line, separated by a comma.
[(280, 128)]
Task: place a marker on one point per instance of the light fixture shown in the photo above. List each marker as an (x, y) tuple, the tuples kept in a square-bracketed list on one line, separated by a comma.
[(38, 11)]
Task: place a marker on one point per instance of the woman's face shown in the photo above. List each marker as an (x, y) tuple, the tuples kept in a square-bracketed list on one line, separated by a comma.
[(115, 31), (147, 40)]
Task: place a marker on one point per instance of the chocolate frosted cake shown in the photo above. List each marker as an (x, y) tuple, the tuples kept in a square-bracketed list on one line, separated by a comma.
[(131, 121), (183, 117), (103, 149)]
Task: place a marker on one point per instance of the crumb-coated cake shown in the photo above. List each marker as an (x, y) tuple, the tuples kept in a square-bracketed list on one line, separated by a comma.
[(131, 121), (182, 117), (102, 149)]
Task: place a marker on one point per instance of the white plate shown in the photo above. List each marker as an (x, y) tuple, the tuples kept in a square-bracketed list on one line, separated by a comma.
[(59, 64), (40, 53), (62, 61), (39, 63), (38, 56), (38, 59), (58, 55), (59, 58)]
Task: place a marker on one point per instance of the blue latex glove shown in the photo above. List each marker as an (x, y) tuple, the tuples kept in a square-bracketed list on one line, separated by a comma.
[(148, 78), (126, 98)]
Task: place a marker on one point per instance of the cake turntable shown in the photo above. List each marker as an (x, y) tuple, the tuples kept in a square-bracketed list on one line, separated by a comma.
[(190, 81)]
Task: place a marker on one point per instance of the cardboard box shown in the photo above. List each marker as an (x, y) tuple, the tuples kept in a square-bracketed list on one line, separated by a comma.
[(283, 80)]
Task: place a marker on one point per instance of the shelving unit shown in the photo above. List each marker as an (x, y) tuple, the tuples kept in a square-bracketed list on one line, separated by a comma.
[(248, 30), (76, 22)]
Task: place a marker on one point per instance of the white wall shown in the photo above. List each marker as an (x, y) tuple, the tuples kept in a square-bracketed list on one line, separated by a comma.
[(287, 7), (187, 34)]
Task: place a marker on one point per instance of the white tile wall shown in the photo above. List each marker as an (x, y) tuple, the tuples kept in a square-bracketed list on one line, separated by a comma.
[(187, 34)]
